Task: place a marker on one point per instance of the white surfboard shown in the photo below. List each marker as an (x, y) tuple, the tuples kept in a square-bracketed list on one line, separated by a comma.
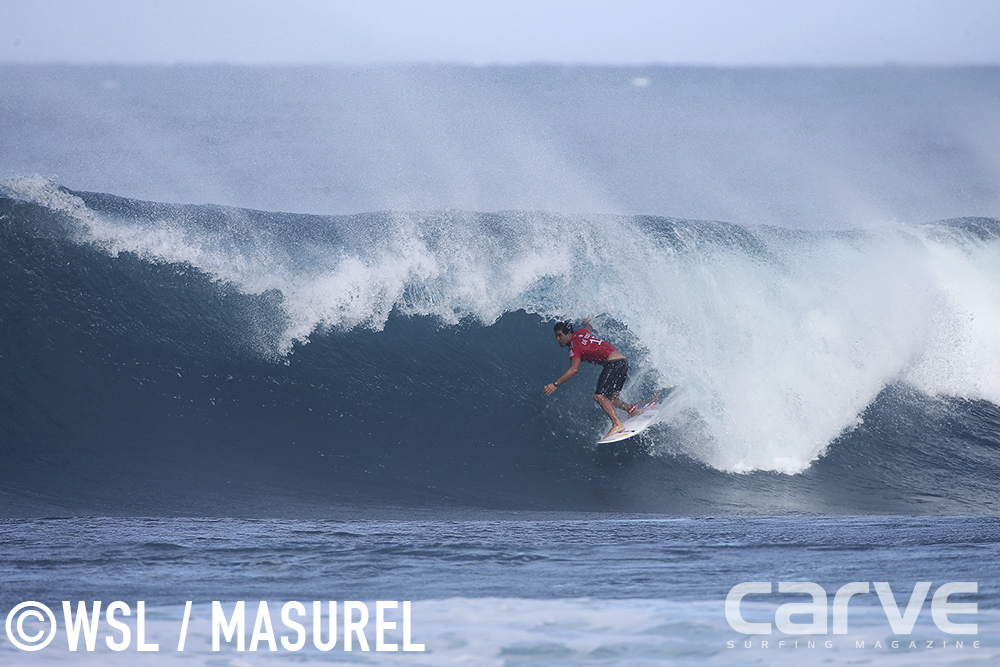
[(652, 412), (635, 425)]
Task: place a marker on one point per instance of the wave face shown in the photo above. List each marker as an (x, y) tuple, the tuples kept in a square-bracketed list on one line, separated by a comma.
[(165, 358)]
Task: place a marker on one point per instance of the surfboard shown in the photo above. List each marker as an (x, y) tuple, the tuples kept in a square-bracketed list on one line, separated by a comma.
[(653, 412), (635, 425)]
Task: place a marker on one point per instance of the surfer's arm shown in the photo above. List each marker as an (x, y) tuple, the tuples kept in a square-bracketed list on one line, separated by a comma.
[(574, 366)]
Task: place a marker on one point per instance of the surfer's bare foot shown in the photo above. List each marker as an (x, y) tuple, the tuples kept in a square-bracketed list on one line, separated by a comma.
[(615, 430)]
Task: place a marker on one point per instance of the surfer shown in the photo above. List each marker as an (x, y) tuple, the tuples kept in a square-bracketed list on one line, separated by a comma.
[(584, 346)]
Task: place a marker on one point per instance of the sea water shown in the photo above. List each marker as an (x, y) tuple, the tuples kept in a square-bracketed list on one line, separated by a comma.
[(590, 590), (278, 335)]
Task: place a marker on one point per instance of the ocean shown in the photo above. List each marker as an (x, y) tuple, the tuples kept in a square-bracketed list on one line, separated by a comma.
[(272, 337)]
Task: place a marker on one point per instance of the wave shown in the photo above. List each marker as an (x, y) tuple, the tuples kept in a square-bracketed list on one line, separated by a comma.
[(398, 357)]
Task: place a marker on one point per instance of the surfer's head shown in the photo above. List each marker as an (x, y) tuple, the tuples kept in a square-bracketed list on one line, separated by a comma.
[(564, 332)]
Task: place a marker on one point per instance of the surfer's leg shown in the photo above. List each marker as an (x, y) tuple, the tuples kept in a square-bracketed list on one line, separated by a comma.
[(620, 404), (611, 382), (609, 410), (612, 379), (608, 385)]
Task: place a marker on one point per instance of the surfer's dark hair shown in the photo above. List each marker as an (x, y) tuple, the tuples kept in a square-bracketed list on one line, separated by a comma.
[(563, 327)]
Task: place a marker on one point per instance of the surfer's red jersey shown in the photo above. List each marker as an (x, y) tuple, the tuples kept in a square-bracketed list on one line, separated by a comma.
[(589, 348)]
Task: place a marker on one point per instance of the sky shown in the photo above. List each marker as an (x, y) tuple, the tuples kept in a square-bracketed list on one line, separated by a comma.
[(355, 32)]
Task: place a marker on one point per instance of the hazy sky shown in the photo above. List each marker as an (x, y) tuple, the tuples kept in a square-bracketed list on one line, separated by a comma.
[(715, 32)]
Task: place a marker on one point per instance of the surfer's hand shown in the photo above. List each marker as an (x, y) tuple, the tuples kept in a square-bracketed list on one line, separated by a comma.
[(549, 388)]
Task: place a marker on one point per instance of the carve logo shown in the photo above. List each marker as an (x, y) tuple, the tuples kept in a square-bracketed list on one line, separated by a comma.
[(817, 613)]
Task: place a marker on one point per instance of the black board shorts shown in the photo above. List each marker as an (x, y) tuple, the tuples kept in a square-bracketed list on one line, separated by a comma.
[(612, 378)]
